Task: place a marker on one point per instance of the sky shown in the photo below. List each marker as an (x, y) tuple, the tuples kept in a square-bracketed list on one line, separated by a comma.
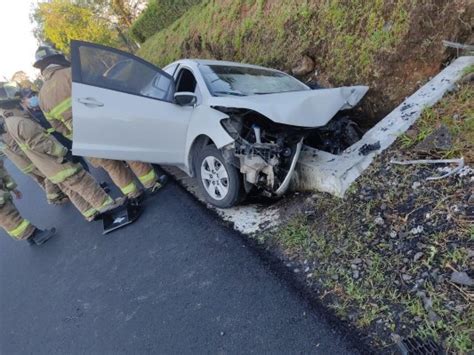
[(18, 45)]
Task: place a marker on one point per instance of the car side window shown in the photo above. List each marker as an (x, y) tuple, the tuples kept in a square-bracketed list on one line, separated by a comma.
[(186, 81), (115, 71)]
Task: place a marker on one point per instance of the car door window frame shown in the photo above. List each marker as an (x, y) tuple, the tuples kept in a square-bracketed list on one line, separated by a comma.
[(77, 69), (197, 91)]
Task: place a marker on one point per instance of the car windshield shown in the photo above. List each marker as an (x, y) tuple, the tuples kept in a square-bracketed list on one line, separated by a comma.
[(223, 80)]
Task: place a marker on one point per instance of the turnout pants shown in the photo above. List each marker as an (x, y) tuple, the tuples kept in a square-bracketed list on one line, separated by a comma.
[(53, 192), (85, 193), (123, 175), (12, 222)]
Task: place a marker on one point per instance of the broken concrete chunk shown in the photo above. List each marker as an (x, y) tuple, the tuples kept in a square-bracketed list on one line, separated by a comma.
[(461, 278), (440, 139), (304, 66), (417, 256)]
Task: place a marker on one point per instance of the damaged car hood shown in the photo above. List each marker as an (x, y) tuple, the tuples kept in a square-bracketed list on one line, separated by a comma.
[(312, 108)]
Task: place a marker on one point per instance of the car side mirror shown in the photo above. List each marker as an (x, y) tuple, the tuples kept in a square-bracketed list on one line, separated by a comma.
[(185, 98)]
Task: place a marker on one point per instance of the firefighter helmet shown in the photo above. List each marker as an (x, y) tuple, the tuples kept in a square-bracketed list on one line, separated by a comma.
[(45, 52)]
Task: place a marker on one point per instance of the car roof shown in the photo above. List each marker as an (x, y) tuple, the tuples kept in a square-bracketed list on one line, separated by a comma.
[(217, 62)]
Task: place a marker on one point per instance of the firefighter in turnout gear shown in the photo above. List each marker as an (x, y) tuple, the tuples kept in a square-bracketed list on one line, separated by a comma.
[(55, 101), (13, 152), (49, 156), (10, 219)]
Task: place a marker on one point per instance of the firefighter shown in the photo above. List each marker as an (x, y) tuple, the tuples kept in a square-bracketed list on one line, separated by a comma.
[(49, 156), (55, 101), (12, 151), (11, 220), (30, 103)]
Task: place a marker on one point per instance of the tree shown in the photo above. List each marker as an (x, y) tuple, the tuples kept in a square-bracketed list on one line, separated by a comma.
[(22, 79), (60, 21)]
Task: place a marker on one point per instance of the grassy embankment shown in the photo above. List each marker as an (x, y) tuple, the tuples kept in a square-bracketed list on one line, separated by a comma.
[(390, 46)]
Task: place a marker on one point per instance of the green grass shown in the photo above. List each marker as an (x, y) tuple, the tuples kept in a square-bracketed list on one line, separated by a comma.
[(457, 114), (245, 31)]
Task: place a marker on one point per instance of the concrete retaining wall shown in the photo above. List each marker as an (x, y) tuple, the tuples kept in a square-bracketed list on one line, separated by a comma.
[(318, 170)]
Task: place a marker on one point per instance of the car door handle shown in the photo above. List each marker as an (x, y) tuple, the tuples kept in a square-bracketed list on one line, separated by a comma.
[(90, 102)]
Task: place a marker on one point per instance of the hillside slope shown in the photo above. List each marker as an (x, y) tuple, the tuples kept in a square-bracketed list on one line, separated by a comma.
[(392, 46)]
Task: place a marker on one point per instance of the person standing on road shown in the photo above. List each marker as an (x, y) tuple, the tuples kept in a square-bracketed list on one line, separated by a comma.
[(10, 219), (55, 101), (49, 156), (13, 152)]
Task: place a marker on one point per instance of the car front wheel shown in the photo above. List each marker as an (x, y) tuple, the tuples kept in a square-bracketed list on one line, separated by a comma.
[(220, 182)]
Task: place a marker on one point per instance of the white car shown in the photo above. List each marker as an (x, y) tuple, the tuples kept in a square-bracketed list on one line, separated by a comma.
[(235, 127)]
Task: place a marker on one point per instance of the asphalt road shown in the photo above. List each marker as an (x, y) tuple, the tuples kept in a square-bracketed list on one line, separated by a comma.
[(176, 281)]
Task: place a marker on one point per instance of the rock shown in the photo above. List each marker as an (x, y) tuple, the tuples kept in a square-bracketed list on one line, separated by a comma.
[(467, 78), (379, 221), (461, 278), (440, 139), (433, 317), (335, 277), (357, 261), (306, 269), (470, 200), (355, 274), (393, 234), (406, 277), (354, 267), (222, 334), (417, 230), (310, 275), (304, 66), (412, 133), (470, 253), (416, 185), (417, 256), (296, 271)]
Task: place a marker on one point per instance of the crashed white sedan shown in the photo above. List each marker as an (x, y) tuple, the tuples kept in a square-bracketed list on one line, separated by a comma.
[(235, 127)]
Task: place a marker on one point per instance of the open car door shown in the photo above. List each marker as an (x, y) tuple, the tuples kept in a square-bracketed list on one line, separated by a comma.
[(123, 107)]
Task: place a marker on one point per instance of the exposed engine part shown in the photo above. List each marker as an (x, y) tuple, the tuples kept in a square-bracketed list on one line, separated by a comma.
[(265, 151), (339, 134), (257, 132), (257, 170)]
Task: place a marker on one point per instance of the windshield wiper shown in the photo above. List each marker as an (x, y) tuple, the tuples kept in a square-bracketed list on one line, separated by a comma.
[(229, 93)]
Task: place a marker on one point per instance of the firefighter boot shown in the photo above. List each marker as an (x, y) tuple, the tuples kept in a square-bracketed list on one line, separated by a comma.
[(41, 236), (114, 204), (161, 181)]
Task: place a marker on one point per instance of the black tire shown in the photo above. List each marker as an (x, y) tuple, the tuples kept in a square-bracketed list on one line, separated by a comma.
[(234, 178)]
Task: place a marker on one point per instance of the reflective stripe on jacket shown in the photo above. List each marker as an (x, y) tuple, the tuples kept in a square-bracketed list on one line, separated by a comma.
[(44, 151), (55, 98)]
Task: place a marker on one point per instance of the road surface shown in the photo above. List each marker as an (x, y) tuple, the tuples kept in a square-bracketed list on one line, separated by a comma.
[(176, 281)]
